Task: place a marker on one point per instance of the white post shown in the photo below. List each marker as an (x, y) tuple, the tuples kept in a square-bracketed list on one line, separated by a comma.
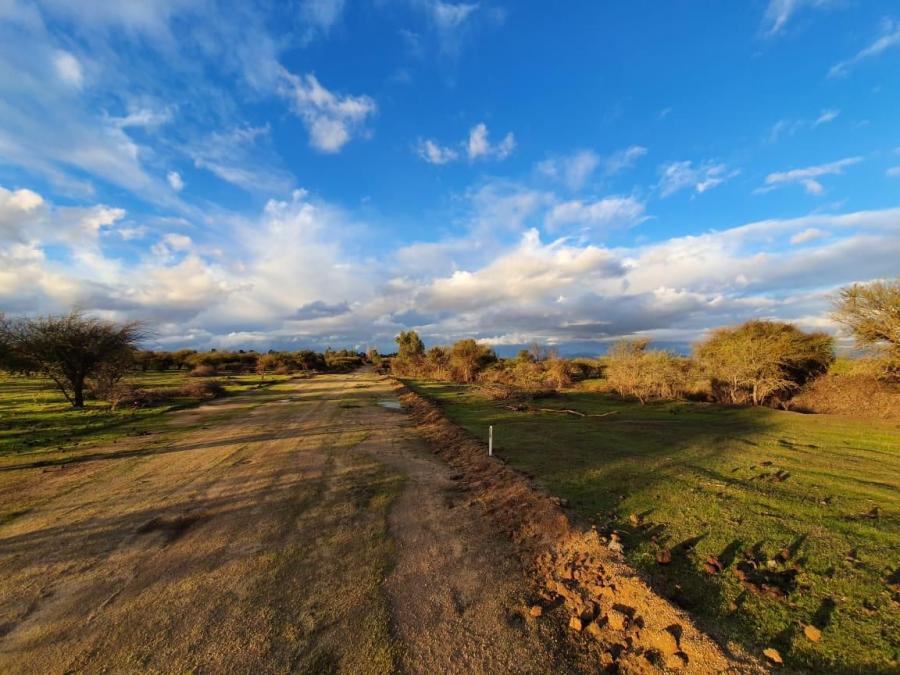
[(490, 441)]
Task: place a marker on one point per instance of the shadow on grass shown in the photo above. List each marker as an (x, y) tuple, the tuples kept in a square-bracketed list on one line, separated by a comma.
[(695, 466)]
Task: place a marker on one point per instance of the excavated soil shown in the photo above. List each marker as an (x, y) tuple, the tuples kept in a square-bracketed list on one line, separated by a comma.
[(617, 616)]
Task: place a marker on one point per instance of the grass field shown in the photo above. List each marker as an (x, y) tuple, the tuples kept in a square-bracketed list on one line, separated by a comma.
[(736, 483), (34, 416)]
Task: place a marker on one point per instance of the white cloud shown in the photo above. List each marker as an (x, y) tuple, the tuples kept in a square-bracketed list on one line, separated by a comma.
[(779, 12), (890, 37), (893, 172), (434, 153), (68, 69), (807, 176), (331, 119), (575, 169), (175, 181), (241, 156), (677, 176), (321, 15), (606, 212), (624, 159), (809, 234), (479, 146), (826, 116), (449, 16)]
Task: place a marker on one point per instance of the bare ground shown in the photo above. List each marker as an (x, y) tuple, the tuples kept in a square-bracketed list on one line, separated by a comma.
[(306, 530)]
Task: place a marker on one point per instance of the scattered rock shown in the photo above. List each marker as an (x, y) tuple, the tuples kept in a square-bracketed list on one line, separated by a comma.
[(635, 519), (772, 655), (593, 629), (617, 620), (575, 624), (663, 641), (536, 611), (713, 565), (676, 661), (812, 633), (663, 556), (616, 546)]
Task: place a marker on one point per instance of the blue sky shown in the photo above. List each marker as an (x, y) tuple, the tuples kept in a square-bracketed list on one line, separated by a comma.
[(327, 172)]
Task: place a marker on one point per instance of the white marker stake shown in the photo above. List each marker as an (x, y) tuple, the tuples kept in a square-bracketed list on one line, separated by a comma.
[(490, 441)]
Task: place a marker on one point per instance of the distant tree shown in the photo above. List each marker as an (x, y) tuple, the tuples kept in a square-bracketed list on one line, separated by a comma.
[(266, 362), (467, 358), (409, 345), (760, 360), (72, 348), (372, 356), (871, 313)]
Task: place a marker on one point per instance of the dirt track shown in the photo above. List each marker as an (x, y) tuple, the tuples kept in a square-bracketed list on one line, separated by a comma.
[(301, 530)]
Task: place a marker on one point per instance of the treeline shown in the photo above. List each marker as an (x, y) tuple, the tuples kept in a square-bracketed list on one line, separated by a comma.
[(756, 363), (241, 361)]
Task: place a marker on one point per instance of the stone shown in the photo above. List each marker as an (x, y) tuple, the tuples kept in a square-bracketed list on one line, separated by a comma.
[(676, 661), (812, 633), (593, 629), (663, 641), (772, 655), (575, 624), (536, 611), (616, 546), (617, 620), (664, 556)]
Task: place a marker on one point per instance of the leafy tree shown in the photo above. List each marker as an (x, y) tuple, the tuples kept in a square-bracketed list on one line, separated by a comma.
[(72, 348), (871, 312), (467, 358), (761, 360), (634, 370), (409, 345)]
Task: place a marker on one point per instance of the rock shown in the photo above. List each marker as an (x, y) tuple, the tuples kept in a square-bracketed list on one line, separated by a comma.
[(575, 624), (772, 655), (617, 620), (663, 556), (593, 629), (635, 519), (676, 661), (663, 641), (616, 546), (536, 611), (713, 565), (812, 633), (607, 659)]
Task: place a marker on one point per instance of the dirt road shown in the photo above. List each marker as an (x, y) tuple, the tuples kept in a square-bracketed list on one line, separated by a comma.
[(304, 529)]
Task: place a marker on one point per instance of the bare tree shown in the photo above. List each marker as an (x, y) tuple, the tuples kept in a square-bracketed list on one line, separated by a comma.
[(871, 312), (72, 348)]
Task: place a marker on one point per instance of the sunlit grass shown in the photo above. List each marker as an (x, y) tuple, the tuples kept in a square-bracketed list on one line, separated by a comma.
[(710, 476)]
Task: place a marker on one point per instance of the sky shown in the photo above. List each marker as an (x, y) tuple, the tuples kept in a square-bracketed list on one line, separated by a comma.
[(315, 173)]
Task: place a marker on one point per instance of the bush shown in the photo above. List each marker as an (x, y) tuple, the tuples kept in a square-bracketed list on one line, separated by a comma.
[(857, 394), (644, 374), (203, 370), (206, 389), (760, 362)]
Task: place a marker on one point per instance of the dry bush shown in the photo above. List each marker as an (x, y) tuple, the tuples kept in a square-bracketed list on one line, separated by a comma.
[(856, 394), (635, 371), (204, 370), (206, 389)]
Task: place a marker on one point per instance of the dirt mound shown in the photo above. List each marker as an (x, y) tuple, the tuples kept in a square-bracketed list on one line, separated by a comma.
[(631, 628)]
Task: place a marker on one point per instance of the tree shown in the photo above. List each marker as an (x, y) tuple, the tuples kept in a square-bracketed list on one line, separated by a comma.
[(409, 345), (467, 358), (871, 312), (761, 360), (70, 349)]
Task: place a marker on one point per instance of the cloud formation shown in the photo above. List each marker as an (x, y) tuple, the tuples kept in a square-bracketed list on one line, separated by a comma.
[(807, 177)]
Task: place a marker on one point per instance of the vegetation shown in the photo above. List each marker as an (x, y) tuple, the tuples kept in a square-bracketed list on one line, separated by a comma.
[(644, 374), (71, 349), (762, 360), (871, 312), (738, 483)]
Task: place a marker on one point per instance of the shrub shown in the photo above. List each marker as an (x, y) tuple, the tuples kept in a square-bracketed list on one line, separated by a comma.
[(205, 389), (853, 393), (762, 361), (633, 370), (871, 313), (203, 371)]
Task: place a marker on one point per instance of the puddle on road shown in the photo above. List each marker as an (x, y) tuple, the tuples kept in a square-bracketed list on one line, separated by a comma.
[(390, 404)]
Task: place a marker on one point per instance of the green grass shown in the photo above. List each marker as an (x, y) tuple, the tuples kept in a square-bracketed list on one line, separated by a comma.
[(705, 476), (35, 417)]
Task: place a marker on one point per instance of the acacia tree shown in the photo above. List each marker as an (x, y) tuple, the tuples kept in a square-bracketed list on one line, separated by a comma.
[(871, 312), (72, 348), (760, 360)]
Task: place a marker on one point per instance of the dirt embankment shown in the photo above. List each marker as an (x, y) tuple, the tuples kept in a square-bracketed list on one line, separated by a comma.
[(611, 608)]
